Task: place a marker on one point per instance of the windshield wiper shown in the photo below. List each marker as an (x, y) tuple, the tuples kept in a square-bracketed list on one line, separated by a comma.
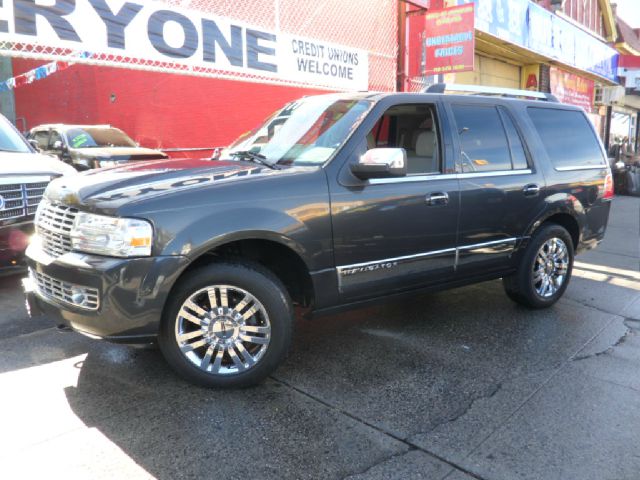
[(254, 157)]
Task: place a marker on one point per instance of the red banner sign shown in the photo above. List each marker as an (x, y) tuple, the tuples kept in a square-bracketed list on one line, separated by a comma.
[(448, 45), (572, 89)]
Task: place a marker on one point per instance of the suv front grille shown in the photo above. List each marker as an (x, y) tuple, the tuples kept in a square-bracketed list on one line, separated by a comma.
[(53, 226), (76, 295), (20, 199)]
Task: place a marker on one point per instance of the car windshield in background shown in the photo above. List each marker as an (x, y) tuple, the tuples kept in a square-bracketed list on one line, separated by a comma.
[(98, 137), (11, 140), (305, 132)]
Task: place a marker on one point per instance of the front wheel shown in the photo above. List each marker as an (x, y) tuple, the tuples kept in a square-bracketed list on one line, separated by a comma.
[(545, 269), (227, 325)]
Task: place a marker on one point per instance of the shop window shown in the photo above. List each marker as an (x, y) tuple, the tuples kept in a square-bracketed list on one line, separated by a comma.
[(414, 128), (567, 137), (484, 145)]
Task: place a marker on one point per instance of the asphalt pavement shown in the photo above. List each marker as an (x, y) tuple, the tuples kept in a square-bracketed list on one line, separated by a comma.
[(459, 385)]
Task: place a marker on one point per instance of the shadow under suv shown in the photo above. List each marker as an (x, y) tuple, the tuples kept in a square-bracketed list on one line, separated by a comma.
[(335, 201)]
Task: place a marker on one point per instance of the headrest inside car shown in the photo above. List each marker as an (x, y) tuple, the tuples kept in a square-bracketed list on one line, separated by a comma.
[(425, 144)]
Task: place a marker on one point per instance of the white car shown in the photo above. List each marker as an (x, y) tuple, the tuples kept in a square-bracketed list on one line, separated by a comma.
[(24, 174)]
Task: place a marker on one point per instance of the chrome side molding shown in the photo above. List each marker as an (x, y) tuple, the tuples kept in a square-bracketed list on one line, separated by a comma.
[(359, 273)]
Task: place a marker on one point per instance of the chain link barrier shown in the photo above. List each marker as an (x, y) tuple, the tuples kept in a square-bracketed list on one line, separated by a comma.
[(370, 25)]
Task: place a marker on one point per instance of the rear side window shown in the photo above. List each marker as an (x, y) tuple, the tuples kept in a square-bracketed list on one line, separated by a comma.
[(518, 157), (483, 141), (567, 137)]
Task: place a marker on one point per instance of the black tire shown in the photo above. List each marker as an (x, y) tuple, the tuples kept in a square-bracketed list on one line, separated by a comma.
[(520, 287), (266, 289)]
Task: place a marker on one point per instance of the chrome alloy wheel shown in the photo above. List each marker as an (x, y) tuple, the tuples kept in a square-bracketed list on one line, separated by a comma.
[(550, 267), (223, 330)]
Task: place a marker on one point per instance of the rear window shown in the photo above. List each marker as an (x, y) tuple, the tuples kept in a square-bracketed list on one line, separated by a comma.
[(567, 137)]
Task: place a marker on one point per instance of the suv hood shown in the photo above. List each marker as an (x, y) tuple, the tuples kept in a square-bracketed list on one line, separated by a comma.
[(13, 163), (112, 187), (119, 153)]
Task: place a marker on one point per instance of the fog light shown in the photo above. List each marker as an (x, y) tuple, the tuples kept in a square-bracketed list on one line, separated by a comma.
[(78, 296)]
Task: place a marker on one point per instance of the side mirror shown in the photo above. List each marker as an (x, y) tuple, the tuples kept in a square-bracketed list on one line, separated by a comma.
[(34, 144), (381, 163)]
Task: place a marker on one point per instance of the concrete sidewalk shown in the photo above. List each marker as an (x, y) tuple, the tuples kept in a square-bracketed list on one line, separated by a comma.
[(459, 385)]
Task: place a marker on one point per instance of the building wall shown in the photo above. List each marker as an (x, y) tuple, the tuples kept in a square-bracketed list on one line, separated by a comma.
[(158, 110), (629, 70), (489, 72), (585, 12)]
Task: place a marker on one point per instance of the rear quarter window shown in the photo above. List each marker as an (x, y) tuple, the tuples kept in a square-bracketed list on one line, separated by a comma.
[(567, 136)]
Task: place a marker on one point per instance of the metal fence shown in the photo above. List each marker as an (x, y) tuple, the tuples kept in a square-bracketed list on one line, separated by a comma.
[(370, 25)]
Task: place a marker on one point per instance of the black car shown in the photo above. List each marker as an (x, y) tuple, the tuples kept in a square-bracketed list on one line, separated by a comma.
[(90, 146), (352, 198)]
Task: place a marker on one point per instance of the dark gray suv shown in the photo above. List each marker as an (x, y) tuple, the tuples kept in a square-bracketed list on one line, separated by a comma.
[(335, 201)]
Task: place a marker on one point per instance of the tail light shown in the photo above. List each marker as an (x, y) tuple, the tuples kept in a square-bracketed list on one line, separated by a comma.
[(608, 186)]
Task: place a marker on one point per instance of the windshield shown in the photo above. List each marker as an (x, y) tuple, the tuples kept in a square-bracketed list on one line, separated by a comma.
[(98, 137), (10, 139), (305, 132)]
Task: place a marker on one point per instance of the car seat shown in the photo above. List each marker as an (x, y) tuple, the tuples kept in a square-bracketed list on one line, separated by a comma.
[(424, 160)]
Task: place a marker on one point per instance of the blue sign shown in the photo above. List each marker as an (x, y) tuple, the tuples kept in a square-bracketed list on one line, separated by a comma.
[(528, 25), (505, 19)]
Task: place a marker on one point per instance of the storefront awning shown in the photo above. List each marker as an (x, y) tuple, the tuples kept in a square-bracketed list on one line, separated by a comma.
[(495, 47), (527, 31)]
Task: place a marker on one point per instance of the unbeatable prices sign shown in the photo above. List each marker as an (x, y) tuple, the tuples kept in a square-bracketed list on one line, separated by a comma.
[(152, 30), (572, 89), (449, 40)]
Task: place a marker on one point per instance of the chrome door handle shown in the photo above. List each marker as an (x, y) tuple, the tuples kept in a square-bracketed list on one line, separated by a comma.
[(531, 190), (439, 198)]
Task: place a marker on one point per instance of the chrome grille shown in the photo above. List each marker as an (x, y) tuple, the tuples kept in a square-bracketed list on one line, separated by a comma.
[(20, 199), (53, 226), (71, 294)]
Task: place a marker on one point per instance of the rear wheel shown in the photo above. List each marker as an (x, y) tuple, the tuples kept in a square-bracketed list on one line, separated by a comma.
[(545, 269), (227, 325)]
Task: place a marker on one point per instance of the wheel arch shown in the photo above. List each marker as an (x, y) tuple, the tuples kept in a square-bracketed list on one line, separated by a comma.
[(568, 214), (280, 255), (570, 224)]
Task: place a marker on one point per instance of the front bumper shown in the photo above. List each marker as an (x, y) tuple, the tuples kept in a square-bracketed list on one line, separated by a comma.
[(132, 292)]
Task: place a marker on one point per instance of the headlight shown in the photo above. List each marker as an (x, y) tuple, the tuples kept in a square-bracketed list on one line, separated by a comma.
[(111, 236)]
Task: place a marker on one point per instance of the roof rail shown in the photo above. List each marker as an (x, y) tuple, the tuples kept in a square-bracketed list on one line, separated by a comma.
[(482, 90)]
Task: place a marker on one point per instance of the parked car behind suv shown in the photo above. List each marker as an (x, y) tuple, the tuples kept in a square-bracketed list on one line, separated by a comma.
[(90, 146), (24, 174), (352, 198)]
